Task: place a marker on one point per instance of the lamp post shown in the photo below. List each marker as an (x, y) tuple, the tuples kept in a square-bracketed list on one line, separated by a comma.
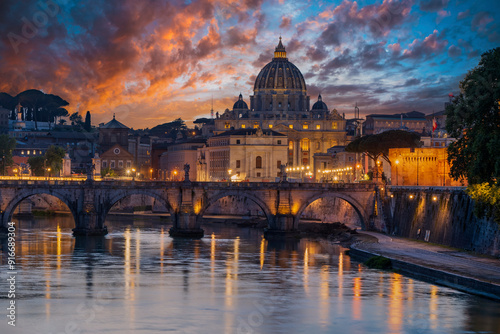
[(151, 173), (229, 171), (175, 175), (133, 174)]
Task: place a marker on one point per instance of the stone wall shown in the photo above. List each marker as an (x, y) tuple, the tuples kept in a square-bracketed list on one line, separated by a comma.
[(444, 215), (332, 210)]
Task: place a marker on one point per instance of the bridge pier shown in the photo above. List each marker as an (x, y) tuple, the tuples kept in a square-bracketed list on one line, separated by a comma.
[(88, 223), (282, 226), (186, 226)]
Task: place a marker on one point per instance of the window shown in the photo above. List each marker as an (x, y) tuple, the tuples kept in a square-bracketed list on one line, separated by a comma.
[(270, 126), (290, 145), (258, 162), (238, 141), (112, 164), (279, 142), (104, 164), (243, 126), (304, 144), (278, 164), (318, 127), (120, 163), (318, 145), (335, 125), (256, 125), (129, 163), (305, 126), (258, 174), (227, 125), (238, 163), (290, 126)]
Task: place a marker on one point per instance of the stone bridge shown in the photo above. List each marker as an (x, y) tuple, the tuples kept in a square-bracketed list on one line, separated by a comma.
[(90, 201)]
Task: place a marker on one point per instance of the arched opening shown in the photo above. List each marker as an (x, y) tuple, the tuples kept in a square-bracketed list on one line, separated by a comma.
[(39, 209), (136, 207), (232, 206), (258, 162), (331, 209)]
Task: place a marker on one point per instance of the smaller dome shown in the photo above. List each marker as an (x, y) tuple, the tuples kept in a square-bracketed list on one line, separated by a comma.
[(240, 104), (320, 105)]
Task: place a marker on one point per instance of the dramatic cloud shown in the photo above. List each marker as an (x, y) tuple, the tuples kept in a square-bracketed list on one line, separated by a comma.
[(152, 61)]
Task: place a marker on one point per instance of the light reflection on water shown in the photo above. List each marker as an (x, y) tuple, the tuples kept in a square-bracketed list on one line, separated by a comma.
[(139, 280)]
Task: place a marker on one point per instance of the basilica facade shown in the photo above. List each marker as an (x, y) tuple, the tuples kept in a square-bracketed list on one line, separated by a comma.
[(280, 103)]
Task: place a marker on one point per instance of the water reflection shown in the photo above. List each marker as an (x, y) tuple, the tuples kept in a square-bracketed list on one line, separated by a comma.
[(137, 279)]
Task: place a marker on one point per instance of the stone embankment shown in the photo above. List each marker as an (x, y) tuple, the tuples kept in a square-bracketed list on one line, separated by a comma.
[(476, 274)]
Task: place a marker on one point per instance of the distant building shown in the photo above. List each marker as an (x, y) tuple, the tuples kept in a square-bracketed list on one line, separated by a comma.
[(427, 166), (113, 133), (336, 165), (172, 161), (280, 103), (411, 121), (244, 154), (117, 159), (140, 148)]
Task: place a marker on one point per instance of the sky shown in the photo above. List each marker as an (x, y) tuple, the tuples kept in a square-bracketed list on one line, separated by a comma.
[(152, 61)]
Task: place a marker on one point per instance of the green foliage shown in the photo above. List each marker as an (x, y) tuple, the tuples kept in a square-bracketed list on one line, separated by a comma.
[(7, 144), (474, 118), (487, 200), (169, 129), (37, 165), (378, 145), (54, 159), (379, 262), (108, 172)]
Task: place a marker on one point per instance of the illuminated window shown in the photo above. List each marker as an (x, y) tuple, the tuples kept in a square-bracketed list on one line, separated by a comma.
[(22, 152), (335, 125), (290, 145), (243, 126), (227, 125), (305, 126), (270, 126), (256, 125), (28, 152), (318, 127), (304, 144), (290, 126)]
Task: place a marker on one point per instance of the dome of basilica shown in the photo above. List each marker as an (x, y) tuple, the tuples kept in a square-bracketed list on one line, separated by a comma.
[(240, 104), (320, 105), (280, 74)]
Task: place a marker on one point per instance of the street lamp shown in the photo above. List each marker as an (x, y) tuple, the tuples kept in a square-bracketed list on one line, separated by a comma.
[(133, 174), (175, 175), (229, 171)]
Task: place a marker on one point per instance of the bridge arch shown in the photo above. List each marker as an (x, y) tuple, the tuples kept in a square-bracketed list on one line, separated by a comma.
[(358, 208), (115, 198), (24, 194), (212, 199)]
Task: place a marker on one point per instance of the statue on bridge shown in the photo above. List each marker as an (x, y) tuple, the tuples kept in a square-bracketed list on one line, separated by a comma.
[(186, 172), (283, 173)]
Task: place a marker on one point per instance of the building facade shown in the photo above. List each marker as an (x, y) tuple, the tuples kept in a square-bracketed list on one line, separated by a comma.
[(424, 166), (411, 121), (253, 155), (280, 103)]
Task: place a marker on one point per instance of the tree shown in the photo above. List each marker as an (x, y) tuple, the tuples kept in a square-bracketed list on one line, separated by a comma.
[(473, 117), (37, 165), (377, 146), (7, 145), (76, 119), (87, 126), (169, 129), (54, 158)]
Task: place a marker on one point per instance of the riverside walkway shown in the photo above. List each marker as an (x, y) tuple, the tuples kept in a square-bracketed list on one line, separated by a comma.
[(434, 263)]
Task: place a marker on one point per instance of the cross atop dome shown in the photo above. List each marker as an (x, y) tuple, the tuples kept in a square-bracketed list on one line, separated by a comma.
[(279, 51)]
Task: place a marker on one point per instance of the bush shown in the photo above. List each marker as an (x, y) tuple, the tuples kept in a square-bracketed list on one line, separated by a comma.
[(379, 262)]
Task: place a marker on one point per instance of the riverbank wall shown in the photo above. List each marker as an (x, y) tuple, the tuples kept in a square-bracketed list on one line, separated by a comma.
[(441, 215)]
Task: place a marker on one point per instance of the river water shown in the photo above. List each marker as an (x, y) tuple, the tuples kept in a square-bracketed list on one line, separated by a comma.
[(139, 280)]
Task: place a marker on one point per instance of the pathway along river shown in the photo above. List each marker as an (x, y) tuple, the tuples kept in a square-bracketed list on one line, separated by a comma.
[(139, 280)]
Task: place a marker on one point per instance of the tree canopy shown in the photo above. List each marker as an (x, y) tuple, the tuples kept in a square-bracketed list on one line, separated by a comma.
[(378, 145), (40, 107), (473, 117), (7, 144), (37, 164), (54, 157), (169, 129)]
